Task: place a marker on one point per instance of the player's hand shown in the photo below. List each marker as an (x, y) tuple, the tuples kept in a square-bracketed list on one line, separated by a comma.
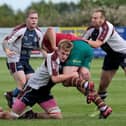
[(55, 48), (84, 39), (10, 53), (75, 74)]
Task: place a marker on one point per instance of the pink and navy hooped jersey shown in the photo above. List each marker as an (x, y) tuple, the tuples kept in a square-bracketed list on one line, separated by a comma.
[(23, 41)]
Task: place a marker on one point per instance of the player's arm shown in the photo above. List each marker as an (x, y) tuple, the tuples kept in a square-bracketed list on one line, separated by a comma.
[(8, 40), (5, 45), (62, 77), (94, 44), (44, 53), (86, 37), (51, 36)]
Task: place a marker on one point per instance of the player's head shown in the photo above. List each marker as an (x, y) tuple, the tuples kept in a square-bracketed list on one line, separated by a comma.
[(64, 49), (98, 17), (32, 19)]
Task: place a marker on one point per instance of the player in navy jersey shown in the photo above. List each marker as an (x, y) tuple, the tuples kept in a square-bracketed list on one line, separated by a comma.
[(18, 46)]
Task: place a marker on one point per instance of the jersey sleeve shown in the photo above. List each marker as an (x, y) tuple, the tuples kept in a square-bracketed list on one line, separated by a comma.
[(40, 36), (15, 35), (52, 65), (106, 32), (87, 33)]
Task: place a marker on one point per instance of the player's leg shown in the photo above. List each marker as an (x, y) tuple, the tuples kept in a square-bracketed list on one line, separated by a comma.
[(110, 66), (105, 80), (17, 72), (91, 95), (52, 110), (21, 73), (123, 65), (27, 98), (20, 79), (17, 109), (48, 103), (84, 74), (104, 109)]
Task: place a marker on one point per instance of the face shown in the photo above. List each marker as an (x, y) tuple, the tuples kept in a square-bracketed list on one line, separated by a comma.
[(32, 20), (63, 55), (97, 19)]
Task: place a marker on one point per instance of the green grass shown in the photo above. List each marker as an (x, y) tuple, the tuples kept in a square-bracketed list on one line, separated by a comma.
[(74, 108)]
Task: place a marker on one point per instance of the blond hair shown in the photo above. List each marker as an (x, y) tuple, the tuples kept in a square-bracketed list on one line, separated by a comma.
[(65, 44)]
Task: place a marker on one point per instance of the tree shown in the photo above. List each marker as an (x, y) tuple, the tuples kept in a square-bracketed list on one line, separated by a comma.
[(6, 16)]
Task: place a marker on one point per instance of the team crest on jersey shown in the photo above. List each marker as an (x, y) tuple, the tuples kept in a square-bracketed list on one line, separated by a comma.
[(30, 35), (35, 39), (25, 38)]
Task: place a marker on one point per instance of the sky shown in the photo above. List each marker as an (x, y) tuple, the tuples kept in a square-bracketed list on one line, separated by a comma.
[(23, 4)]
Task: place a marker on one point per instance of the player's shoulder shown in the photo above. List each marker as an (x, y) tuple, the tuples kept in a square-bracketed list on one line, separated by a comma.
[(38, 29), (90, 27), (39, 32), (52, 56), (107, 25), (18, 27)]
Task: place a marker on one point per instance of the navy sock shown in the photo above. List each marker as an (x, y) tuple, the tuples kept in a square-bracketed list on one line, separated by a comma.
[(15, 92)]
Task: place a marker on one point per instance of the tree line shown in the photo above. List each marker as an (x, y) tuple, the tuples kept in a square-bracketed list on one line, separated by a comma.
[(66, 14)]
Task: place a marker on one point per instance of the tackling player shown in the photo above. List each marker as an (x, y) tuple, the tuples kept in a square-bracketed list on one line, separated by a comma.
[(102, 34), (79, 59), (38, 88)]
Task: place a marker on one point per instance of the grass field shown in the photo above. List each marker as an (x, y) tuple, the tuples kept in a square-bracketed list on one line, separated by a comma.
[(74, 108)]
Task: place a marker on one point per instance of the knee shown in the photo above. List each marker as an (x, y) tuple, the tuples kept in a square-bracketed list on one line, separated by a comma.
[(22, 82), (85, 75), (56, 115)]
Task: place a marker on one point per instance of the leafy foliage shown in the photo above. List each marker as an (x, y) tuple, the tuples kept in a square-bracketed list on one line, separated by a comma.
[(66, 14)]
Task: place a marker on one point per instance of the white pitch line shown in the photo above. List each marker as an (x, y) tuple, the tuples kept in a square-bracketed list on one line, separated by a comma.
[(114, 79)]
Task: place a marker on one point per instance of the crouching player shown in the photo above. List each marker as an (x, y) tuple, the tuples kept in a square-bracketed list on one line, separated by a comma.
[(37, 89)]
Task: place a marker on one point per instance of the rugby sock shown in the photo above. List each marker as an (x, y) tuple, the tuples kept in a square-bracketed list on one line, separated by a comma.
[(85, 84), (99, 102), (77, 82), (15, 92), (103, 94)]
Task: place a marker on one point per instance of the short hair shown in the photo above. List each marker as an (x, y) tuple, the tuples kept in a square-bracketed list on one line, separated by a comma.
[(66, 45), (30, 12), (103, 13)]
